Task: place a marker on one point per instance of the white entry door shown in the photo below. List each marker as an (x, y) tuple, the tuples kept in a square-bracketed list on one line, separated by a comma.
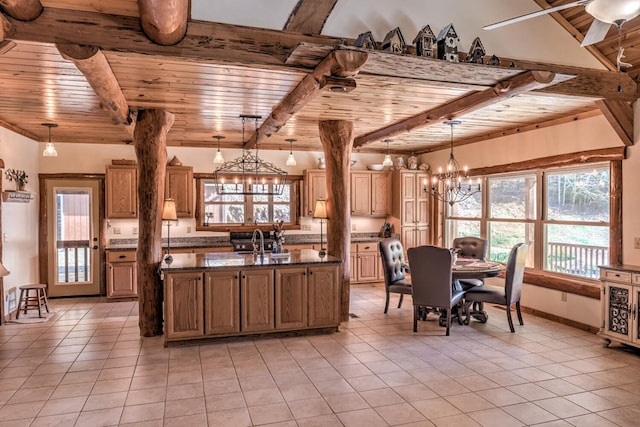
[(73, 237)]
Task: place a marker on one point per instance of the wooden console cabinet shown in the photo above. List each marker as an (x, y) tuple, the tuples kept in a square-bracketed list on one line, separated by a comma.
[(620, 304)]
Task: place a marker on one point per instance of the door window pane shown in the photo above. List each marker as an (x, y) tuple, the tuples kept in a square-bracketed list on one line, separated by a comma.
[(73, 236)]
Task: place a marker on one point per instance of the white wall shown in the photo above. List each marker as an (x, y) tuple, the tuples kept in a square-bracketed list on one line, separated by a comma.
[(19, 220), (582, 135), (92, 158)]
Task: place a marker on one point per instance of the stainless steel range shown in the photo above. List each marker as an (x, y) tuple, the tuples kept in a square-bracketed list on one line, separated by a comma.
[(241, 241)]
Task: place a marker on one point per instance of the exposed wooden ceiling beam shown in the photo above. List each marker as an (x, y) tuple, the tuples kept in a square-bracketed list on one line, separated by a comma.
[(164, 22), (620, 117), (339, 63), (94, 66), (577, 35), (507, 88), (512, 131), (309, 16), (24, 10), (5, 27)]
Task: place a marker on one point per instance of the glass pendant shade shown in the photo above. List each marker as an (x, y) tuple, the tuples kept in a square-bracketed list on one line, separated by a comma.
[(291, 160), (218, 159), (50, 149), (387, 158)]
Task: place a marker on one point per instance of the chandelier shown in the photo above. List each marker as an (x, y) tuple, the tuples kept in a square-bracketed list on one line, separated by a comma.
[(248, 174), (447, 185)]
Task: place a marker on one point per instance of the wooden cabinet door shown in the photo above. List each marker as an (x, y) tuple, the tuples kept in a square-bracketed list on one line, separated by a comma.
[(291, 298), (122, 191), (360, 193), (367, 265), (184, 305), (380, 193), (636, 316), (324, 296), (121, 274), (408, 200), (179, 187), (221, 302), (422, 199), (422, 236), (122, 280), (316, 186), (353, 261), (256, 300), (408, 237)]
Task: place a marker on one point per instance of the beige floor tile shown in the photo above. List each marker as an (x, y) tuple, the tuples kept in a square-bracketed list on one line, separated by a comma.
[(460, 420), (309, 408), (590, 420), (145, 412), (111, 386), (502, 397), (55, 420), (31, 394), (262, 396), (435, 408), (80, 377), (328, 388), (560, 387), (184, 391), (561, 407), (19, 411), (363, 417), (469, 402), (72, 390), (299, 392), (184, 407), (187, 420), (529, 413), (223, 402), (346, 402), (105, 401), (402, 413), (151, 395), (495, 418), (625, 416), (99, 418), (63, 406), (321, 421), (368, 382), (531, 391), (233, 417), (272, 413)]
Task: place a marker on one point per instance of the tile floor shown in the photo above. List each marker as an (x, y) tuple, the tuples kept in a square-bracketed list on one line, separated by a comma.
[(88, 367)]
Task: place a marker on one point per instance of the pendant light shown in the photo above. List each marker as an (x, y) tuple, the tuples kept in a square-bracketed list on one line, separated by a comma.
[(387, 159), (218, 159), (50, 150), (291, 161)]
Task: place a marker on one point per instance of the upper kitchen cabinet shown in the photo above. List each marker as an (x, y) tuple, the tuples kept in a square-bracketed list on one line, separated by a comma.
[(122, 191), (369, 193), (179, 187), (315, 186)]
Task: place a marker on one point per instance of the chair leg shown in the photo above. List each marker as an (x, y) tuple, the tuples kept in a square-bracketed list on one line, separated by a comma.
[(519, 312), (386, 304), (39, 302), (415, 318), (509, 318), (400, 302), (448, 321), (20, 303)]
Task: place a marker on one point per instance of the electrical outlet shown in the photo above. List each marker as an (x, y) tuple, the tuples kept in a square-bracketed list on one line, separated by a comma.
[(563, 296), (188, 229), (306, 227), (117, 230), (353, 227), (636, 242), (135, 230)]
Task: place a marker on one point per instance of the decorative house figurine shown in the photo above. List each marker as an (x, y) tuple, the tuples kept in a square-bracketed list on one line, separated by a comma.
[(476, 53), (448, 44), (494, 60), (366, 41), (393, 41), (425, 42)]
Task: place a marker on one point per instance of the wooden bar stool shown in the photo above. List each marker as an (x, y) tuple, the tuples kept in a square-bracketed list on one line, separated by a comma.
[(34, 301)]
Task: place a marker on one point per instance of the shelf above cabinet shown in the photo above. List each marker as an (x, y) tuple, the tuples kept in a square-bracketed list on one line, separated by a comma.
[(17, 196)]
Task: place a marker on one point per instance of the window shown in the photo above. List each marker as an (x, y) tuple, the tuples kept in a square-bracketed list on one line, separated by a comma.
[(227, 210), (561, 213), (576, 223)]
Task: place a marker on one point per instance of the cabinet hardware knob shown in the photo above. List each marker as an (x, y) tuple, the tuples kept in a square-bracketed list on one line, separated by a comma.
[(122, 256), (235, 277), (310, 273), (304, 274), (244, 277)]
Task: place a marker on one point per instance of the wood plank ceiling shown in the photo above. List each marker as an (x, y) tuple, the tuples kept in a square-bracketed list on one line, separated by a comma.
[(208, 91)]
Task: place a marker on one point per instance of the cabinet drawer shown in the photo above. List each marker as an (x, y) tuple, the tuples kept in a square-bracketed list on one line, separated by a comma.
[(618, 276), (120, 256), (367, 247), (636, 278)]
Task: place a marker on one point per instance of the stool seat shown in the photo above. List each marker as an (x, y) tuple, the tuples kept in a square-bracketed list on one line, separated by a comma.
[(28, 301)]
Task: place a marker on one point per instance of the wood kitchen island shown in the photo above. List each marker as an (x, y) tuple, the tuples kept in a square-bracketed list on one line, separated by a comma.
[(213, 295)]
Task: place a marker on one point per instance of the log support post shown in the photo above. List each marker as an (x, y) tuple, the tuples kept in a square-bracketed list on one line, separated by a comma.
[(150, 138), (337, 142), (24, 10)]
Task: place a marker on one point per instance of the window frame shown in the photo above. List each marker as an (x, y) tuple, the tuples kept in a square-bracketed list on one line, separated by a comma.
[(294, 202), (610, 156)]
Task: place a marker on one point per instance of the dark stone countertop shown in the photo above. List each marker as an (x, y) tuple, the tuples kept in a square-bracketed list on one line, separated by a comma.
[(230, 260)]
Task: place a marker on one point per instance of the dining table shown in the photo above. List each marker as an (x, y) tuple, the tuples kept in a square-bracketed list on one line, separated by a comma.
[(472, 268)]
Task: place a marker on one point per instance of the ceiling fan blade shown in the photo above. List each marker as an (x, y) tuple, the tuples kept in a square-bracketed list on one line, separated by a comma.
[(597, 32), (535, 14)]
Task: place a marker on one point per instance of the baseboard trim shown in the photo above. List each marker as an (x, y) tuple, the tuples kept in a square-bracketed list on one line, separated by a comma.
[(561, 320)]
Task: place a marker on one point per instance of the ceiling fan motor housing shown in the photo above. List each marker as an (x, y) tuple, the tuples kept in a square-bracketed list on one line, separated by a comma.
[(610, 11)]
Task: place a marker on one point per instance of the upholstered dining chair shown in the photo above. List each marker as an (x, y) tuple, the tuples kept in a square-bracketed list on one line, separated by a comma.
[(431, 278), (471, 247), (395, 269), (507, 295)]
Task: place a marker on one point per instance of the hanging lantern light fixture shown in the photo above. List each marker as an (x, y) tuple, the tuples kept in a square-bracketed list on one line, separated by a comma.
[(291, 161), (218, 159), (387, 158)]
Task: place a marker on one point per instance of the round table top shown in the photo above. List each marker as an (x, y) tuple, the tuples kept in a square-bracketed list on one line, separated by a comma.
[(468, 267)]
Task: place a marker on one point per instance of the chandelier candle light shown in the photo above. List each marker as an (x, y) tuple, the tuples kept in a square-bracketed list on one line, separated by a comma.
[(447, 185), (248, 174)]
